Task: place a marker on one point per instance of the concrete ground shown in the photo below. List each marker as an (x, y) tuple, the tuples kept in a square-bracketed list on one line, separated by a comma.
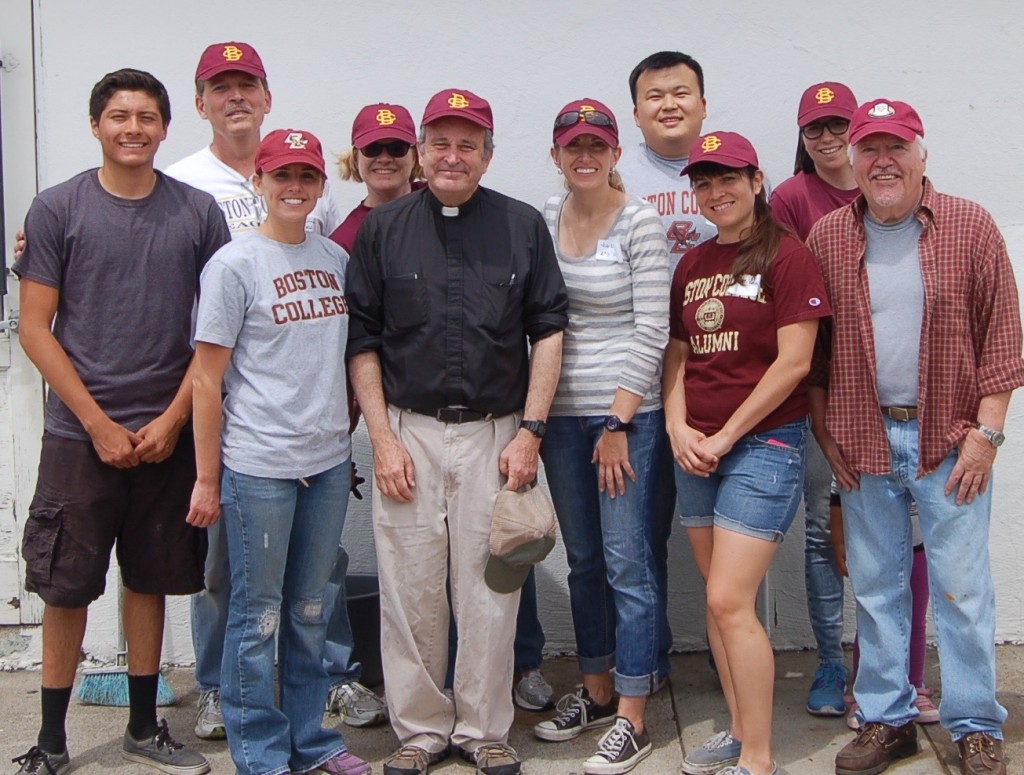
[(679, 719)]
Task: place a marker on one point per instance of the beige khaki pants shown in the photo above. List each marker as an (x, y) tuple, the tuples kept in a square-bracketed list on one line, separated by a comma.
[(444, 533)]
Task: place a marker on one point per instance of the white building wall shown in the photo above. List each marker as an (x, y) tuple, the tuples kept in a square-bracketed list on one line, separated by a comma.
[(960, 65)]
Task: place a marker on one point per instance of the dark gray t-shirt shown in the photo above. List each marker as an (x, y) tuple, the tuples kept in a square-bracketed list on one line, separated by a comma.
[(127, 271)]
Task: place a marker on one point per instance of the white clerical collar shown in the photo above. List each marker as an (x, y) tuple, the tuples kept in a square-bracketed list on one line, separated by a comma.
[(449, 212)]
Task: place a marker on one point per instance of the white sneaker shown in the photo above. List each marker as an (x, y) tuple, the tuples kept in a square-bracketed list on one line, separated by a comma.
[(357, 705), (209, 719)]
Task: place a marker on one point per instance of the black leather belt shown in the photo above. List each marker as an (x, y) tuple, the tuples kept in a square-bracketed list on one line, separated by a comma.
[(900, 413), (456, 414)]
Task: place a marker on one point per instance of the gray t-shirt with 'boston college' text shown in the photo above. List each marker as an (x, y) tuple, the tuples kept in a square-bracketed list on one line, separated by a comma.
[(281, 308)]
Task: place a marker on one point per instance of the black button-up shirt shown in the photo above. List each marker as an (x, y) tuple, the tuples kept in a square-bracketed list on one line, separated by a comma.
[(448, 301)]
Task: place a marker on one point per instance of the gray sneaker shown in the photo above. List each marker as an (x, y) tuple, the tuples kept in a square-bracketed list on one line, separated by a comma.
[(38, 762), (164, 753), (357, 705), (209, 719), (718, 752), (532, 692)]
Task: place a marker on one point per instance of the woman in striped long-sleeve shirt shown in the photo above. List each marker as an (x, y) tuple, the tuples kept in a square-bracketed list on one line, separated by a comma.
[(606, 429)]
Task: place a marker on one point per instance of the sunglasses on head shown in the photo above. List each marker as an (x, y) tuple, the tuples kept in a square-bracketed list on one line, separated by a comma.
[(573, 117), (814, 130), (396, 149)]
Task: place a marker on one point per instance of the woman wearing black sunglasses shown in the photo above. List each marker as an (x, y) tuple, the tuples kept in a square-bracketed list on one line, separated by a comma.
[(605, 432), (822, 175), (822, 182), (383, 156)]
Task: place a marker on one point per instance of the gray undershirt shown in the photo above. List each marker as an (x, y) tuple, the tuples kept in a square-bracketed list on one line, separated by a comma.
[(897, 306)]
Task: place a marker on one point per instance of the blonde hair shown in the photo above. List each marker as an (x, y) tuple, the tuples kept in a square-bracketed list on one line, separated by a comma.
[(348, 165)]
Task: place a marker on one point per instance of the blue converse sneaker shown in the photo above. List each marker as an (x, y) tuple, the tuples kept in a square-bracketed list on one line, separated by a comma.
[(718, 752), (826, 695)]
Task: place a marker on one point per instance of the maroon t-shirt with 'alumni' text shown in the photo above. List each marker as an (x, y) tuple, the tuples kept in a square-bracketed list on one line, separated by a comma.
[(731, 328)]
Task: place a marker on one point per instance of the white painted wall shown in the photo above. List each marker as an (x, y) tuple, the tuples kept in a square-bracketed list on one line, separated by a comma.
[(960, 65)]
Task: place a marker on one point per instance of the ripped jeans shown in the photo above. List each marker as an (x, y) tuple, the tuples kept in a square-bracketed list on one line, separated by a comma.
[(282, 543)]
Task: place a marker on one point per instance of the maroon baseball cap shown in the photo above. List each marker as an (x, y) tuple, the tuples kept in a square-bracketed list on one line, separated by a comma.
[(382, 122), (221, 57), (460, 104), (586, 117), (729, 149), (888, 117), (825, 100), (290, 146)]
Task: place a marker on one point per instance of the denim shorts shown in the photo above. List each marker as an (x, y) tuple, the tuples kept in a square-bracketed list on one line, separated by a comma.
[(756, 488)]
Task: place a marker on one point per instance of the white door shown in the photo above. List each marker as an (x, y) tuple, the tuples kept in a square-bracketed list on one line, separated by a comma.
[(21, 389)]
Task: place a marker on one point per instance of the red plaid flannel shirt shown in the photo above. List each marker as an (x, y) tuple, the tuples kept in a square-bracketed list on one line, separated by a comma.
[(970, 330)]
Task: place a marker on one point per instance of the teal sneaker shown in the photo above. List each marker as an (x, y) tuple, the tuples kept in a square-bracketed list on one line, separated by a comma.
[(826, 695)]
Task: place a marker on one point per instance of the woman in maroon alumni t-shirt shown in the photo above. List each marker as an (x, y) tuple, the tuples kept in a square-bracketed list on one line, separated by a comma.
[(743, 320)]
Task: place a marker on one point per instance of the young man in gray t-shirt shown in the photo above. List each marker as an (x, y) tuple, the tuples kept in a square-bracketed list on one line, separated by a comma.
[(108, 280)]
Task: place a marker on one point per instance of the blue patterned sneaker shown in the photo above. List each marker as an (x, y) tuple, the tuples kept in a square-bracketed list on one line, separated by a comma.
[(718, 752), (826, 695)]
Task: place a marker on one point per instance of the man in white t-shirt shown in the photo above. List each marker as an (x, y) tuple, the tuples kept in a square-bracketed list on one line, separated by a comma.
[(669, 107), (667, 89), (233, 95)]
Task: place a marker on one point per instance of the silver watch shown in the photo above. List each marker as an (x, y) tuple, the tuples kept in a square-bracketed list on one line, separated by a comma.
[(995, 438)]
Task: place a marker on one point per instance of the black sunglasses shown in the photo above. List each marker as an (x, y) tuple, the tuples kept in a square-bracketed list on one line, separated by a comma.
[(814, 130), (396, 149), (595, 117)]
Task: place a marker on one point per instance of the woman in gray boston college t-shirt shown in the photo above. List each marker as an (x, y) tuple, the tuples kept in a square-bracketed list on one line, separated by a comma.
[(274, 455)]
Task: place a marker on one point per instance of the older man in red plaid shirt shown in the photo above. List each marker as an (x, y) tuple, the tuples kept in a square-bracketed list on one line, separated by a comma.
[(926, 351)]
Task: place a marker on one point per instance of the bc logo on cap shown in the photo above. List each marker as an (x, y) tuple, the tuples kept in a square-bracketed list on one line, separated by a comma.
[(824, 95), (457, 101), (296, 141), (385, 117), (711, 143), (882, 110), (587, 109), (232, 53)]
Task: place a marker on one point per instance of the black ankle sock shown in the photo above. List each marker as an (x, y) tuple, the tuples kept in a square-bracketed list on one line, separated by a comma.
[(52, 736), (142, 705)]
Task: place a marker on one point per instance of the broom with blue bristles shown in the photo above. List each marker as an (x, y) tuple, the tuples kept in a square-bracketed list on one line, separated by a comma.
[(109, 685)]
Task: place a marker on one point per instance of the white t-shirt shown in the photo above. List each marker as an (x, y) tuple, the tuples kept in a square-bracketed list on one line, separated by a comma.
[(237, 198), (282, 310), (656, 179)]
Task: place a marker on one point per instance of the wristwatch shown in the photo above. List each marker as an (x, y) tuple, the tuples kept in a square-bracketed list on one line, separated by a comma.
[(613, 423), (995, 438), (537, 427)]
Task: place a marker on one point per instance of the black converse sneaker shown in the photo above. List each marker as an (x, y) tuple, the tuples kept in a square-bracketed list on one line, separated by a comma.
[(620, 750), (576, 712)]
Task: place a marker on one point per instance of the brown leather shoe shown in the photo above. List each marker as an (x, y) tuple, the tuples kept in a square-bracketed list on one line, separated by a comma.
[(981, 754), (876, 747)]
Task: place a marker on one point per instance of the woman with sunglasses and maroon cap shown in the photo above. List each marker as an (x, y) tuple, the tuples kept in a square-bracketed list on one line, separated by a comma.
[(744, 317), (604, 433), (822, 182), (273, 453), (383, 156)]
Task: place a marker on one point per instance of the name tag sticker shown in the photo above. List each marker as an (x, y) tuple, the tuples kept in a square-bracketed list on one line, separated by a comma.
[(610, 250), (748, 287)]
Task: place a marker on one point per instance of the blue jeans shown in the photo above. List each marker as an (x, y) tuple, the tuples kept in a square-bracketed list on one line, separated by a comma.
[(613, 586), (210, 610), (338, 648), (210, 617), (282, 543), (823, 581), (664, 510), (879, 551)]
